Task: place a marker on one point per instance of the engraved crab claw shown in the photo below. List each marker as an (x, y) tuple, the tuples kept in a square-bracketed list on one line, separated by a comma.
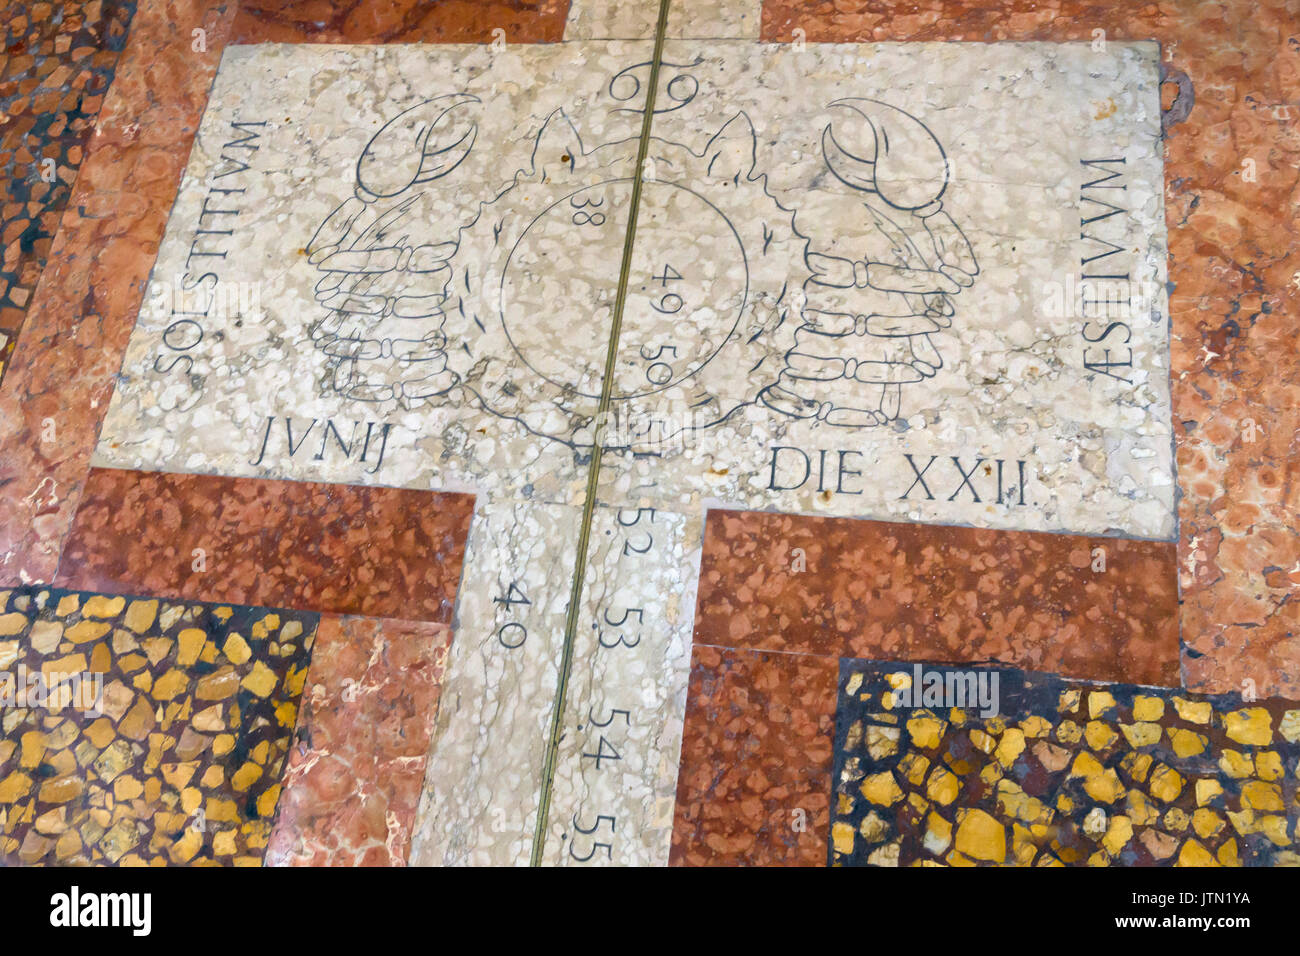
[(418, 145), (878, 148)]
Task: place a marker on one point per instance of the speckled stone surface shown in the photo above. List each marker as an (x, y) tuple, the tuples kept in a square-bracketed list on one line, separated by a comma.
[(163, 733), (783, 599), (415, 348), (369, 275), (601, 20), (384, 552), (713, 409), (997, 766), (627, 687), (636, 19), (755, 781), (900, 332), (399, 21), (486, 766), (1084, 607), (356, 763), (57, 61), (521, 448), (1059, 773)]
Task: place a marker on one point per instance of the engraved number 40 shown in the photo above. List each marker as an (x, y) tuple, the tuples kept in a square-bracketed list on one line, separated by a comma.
[(512, 634)]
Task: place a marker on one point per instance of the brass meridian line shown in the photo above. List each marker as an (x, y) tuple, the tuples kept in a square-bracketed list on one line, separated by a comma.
[(593, 470)]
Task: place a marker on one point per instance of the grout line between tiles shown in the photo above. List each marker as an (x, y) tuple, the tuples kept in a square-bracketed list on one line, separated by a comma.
[(593, 470)]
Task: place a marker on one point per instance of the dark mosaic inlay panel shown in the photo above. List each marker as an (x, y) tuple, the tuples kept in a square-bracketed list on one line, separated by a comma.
[(58, 61), (174, 749), (1064, 773)]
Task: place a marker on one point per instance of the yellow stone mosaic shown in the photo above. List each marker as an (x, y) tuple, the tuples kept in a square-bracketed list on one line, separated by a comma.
[(1063, 773), (143, 732)]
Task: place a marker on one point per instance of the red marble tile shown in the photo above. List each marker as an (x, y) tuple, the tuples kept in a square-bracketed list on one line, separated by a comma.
[(880, 590), (356, 766), (59, 378), (346, 549), (757, 746), (400, 21), (1234, 258)]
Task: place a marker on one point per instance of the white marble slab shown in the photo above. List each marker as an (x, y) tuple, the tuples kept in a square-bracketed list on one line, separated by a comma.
[(863, 264), (425, 243), (485, 770), (616, 775), (611, 20), (636, 19), (381, 247)]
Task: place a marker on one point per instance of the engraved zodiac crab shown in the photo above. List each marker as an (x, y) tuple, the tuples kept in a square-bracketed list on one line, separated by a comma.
[(869, 321), (384, 291), (432, 298)]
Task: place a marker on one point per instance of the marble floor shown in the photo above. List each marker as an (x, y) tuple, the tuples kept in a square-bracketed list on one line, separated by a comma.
[(735, 432)]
